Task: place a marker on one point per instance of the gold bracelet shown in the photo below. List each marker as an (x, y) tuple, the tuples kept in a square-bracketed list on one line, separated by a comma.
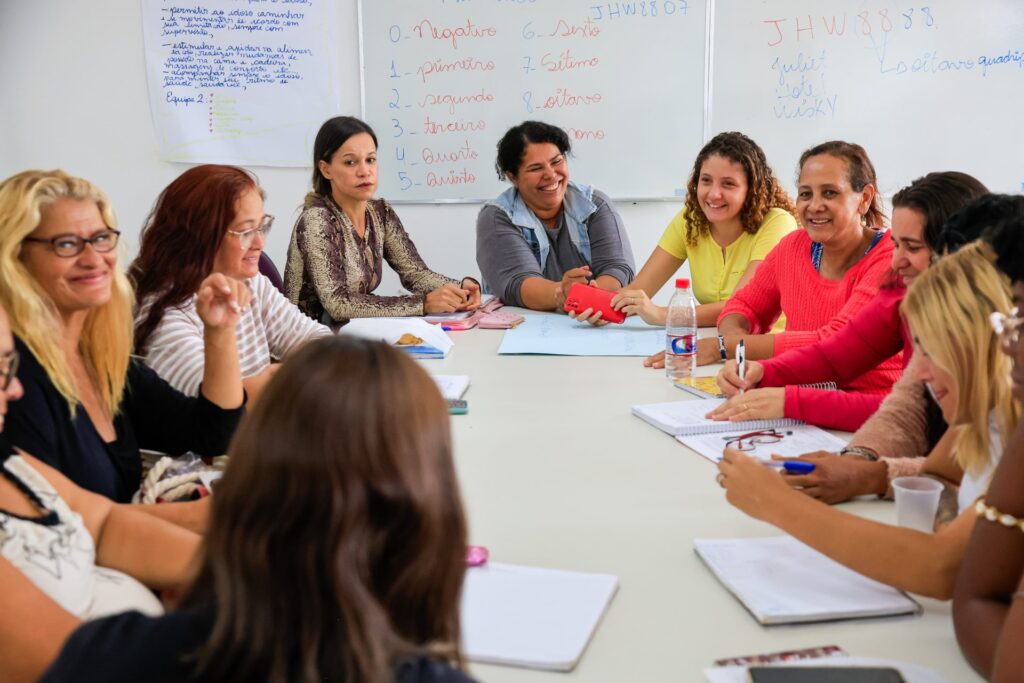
[(990, 513)]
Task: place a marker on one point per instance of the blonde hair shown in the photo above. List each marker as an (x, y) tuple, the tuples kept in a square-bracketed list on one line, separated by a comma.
[(106, 341), (948, 308)]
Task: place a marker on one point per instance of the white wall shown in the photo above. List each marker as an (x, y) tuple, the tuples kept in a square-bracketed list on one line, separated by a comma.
[(74, 96)]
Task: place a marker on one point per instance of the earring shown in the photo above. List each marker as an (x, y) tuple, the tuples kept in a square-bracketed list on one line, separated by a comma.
[(863, 220)]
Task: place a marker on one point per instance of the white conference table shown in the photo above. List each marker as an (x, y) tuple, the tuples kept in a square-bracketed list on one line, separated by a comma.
[(556, 472)]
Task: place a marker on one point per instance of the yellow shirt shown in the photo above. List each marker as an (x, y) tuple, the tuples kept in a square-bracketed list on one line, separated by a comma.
[(715, 276)]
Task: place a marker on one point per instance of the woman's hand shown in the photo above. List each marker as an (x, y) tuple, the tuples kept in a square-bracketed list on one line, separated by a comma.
[(756, 404), (569, 278), (749, 485), (836, 478), (221, 300), (655, 361), (729, 377), (636, 302), (446, 299), (588, 315), (708, 351), (470, 285)]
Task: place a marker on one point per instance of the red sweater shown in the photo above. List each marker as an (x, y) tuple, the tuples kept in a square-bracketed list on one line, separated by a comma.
[(874, 335), (815, 308)]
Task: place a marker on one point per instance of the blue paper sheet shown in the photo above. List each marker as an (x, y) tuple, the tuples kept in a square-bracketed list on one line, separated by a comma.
[(558, 335)]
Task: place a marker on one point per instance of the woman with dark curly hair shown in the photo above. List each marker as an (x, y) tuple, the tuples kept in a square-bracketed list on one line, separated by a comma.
[(736, 211), (546, 232)]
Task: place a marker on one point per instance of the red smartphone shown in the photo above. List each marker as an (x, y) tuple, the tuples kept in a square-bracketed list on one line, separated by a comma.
[(581, 297)]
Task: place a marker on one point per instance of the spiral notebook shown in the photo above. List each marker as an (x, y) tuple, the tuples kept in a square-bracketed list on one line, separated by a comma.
[(686, 418)]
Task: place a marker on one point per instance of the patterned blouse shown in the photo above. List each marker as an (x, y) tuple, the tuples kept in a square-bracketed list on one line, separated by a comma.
[(331, 272)]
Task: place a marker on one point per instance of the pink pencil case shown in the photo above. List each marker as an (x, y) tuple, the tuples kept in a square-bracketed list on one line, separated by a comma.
[(478, 317), (500, 320)]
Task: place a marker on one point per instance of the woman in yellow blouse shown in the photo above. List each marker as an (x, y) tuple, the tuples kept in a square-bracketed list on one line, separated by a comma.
[(736, 211)]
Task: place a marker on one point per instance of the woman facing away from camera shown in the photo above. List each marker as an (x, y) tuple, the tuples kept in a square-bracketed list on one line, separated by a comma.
[(336, 546)]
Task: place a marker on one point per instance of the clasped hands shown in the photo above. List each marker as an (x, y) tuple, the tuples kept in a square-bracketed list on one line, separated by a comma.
[(449, 298)]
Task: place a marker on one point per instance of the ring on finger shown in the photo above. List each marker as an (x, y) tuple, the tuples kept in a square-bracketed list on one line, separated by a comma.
[(720, 478)]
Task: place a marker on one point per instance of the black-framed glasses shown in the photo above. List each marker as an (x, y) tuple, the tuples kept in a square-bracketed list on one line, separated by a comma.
[(1007, 326), (8, 368), (245, 237), (67, 246), (751, 440)]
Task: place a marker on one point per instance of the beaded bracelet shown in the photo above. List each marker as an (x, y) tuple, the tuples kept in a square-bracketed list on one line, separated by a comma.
[(990, 513)]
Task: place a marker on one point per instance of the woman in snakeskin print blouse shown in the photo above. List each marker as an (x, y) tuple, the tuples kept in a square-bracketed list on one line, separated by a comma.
[(344, 235)]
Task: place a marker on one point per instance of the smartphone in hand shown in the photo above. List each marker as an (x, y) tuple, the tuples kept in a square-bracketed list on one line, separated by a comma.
[(581, 297)]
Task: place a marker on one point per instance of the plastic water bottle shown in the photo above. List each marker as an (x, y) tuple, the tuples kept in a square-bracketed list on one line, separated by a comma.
[(681, 333)]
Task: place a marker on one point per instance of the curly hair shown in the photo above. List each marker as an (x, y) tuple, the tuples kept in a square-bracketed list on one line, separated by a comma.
[(764, 191)]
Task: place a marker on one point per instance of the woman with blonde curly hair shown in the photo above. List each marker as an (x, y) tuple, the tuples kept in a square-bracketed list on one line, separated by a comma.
[(948, 308), (736, 211), (89, 406)]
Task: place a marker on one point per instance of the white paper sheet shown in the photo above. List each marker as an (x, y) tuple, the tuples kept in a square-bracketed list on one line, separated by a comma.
[(559, 335), (247, 83), (795, 441), (533, 617)]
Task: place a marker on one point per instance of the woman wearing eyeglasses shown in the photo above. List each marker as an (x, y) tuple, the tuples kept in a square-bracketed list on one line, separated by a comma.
[(343, 237), (88, 406), (210, 220)]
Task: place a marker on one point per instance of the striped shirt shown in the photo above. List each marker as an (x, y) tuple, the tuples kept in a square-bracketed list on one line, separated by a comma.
[(269, 329)]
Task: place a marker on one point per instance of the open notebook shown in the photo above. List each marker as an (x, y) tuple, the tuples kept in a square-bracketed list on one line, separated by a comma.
[(792, 442), (782, 581), (532, 617), (682, 418)]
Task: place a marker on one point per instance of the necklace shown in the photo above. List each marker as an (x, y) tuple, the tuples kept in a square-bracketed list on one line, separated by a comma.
[(817, 249)]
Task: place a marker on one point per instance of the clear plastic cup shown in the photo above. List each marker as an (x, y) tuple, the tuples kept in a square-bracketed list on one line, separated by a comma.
[(917, 500)]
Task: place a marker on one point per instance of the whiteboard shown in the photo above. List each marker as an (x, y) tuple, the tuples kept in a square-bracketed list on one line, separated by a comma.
[(934, 85), (444, 79)]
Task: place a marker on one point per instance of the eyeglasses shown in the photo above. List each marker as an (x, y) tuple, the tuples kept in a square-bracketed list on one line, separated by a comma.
[(245, 237), (751, 440), (8, 369), (1007, 326), (67, 246)]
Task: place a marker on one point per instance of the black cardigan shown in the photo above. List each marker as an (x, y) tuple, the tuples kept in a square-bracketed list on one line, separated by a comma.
[(152, 415)]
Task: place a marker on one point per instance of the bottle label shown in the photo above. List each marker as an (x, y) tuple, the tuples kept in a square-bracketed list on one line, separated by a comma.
[(683, 345)]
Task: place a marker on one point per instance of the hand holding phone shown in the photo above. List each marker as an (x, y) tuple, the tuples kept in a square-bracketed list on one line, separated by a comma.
[(581, 297)]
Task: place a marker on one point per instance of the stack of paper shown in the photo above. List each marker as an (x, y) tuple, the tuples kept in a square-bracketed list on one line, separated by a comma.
[(794, 441), (682, 418), (525, 616), (782, 581), (452, 386), (435, 343)]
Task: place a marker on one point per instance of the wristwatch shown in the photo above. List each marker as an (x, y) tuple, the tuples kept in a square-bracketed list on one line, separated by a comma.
[(859, 452), (721, 347)]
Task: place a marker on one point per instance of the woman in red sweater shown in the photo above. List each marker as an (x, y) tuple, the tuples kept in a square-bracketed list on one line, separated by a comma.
[(872, 336), (819, 277)]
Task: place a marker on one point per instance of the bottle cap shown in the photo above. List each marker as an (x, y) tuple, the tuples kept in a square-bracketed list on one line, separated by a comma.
[(682, 283)]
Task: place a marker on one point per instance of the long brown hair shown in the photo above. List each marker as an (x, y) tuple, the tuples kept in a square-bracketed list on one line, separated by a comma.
[(337, 538), (764, 191), (181, 238)]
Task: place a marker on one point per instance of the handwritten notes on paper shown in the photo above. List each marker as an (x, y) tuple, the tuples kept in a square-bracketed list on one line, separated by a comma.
[(444, 80), (924, 86), (240, 82)]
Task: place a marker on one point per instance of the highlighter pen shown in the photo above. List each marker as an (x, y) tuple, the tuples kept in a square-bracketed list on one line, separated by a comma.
[(791, 466), (741, 361)]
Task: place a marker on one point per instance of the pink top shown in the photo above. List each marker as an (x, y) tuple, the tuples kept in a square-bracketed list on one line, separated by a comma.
[(815, 307), (874, 335)]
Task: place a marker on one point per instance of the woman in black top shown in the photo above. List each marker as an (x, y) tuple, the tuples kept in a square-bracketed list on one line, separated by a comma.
[(88, 405), (336, 546)]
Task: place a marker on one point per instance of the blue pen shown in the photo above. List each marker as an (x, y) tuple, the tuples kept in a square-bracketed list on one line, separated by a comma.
[(792, 466)]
